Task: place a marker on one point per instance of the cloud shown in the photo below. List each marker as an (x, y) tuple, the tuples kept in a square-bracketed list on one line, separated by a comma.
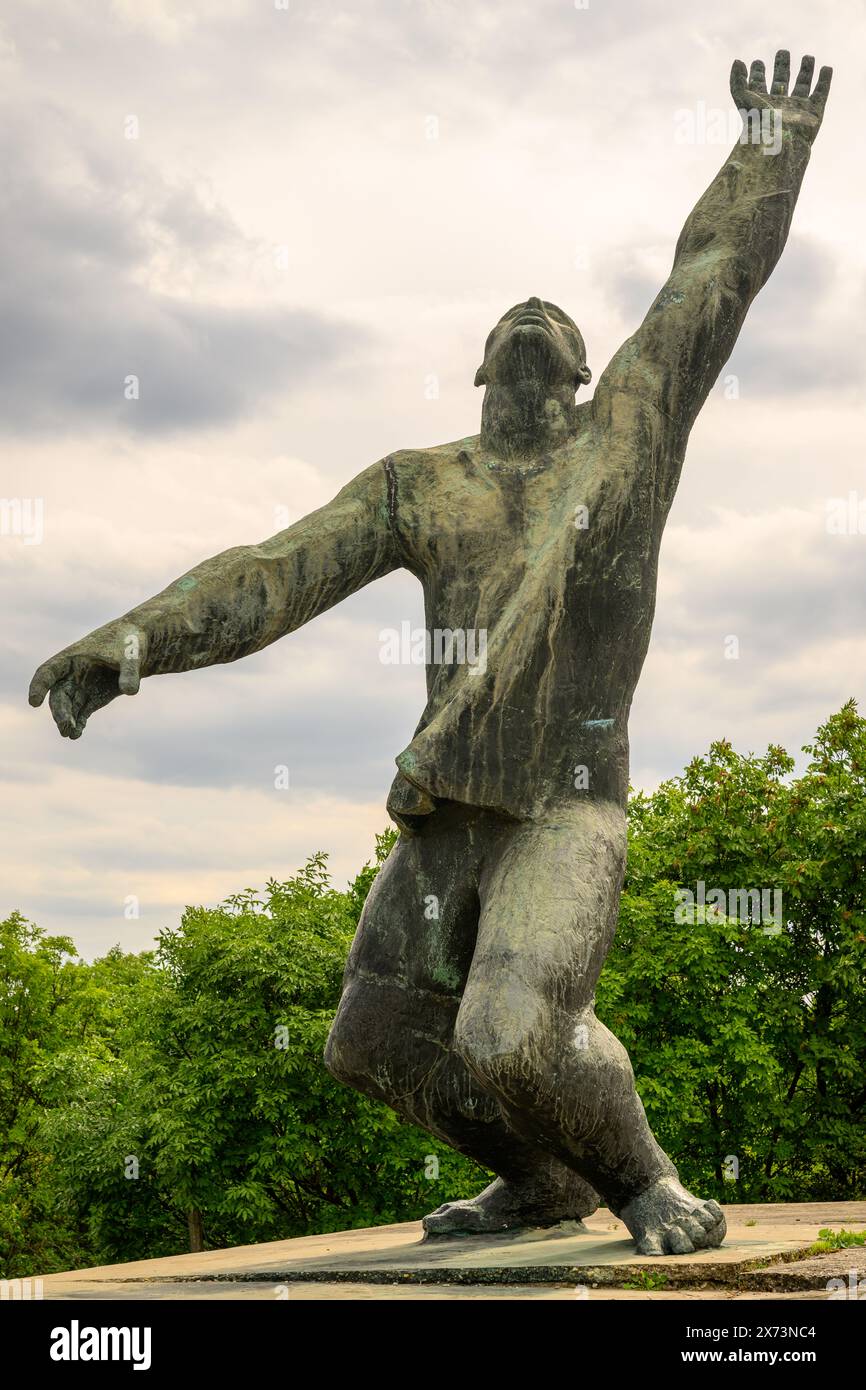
[(792, 595), (75, 848), (551, 167), (85, 243), (804, 332), (319, 703)]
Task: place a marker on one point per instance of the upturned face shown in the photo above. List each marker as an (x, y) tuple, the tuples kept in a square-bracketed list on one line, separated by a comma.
[(535, 341)]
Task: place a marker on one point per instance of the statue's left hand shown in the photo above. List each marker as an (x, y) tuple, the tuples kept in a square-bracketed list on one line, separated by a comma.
[(90, 674), (800, 110)]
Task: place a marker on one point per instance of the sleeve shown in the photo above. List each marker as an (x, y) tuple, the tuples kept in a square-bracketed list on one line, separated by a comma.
[(240, 601)]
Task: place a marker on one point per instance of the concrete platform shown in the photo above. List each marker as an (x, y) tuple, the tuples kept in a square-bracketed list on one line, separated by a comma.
[(765, 1255)]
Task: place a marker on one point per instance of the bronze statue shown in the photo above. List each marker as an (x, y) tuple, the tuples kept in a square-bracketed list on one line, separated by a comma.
[(469, 991)]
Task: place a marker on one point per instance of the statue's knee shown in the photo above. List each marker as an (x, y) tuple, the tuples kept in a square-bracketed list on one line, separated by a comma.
[(500, 1036), (348, 1051), (339, 1056), (597, 1055), (370, 1046)]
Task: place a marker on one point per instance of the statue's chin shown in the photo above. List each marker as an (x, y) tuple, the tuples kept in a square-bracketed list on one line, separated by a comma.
[(531, 355)]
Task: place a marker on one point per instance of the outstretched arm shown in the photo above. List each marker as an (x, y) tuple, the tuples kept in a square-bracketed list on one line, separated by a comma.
[(229, 606), (728, 247)]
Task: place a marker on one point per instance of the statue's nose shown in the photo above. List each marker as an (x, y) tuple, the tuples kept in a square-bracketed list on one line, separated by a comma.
[(534, 303)]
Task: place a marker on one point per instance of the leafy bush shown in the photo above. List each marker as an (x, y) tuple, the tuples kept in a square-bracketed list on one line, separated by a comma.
[(750, 1043)]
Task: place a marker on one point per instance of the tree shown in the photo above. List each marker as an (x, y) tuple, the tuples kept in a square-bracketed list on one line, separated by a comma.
[(217, 1099), (748, 1042), (50, 1005)]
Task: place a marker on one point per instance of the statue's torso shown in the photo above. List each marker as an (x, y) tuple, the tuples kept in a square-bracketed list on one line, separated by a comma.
[(555, 561)]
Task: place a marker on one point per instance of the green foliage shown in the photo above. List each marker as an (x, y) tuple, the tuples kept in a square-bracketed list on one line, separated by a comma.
[(647, 1281), (746, 1043), (50, 1006), (152, 1101), (836, 1240), (196, 1106)]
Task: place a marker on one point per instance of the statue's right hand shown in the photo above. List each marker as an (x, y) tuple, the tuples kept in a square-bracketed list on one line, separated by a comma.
[(89, 674), (803, 109)]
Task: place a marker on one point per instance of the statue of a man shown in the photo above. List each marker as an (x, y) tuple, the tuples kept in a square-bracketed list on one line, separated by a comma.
[(469, 990)]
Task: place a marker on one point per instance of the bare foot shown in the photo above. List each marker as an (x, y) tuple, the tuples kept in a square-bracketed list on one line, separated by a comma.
[(668, 1220), (505, 1206)]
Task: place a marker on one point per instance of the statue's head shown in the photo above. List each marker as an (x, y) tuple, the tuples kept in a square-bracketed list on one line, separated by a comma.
[(538, 342)]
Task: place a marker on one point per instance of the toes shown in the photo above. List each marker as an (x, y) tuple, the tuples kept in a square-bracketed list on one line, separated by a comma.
[(453, 1218), (442, 1211), (718, 1233), (693, 1228), (712, 1219), (440, 1214), (650, 1245), (435, 1225), (679, 1242)]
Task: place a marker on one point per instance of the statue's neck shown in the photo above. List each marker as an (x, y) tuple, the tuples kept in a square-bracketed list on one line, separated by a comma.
[(527, 419)]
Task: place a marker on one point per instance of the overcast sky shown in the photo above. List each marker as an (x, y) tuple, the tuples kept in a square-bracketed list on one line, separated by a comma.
[(325, 210)]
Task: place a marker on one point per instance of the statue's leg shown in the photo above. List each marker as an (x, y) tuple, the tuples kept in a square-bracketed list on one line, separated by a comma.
[(392, 1036), (527, 1028)]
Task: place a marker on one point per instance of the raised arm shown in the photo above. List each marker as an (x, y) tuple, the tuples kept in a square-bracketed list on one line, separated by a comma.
[(229, 606), (728, 247)]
